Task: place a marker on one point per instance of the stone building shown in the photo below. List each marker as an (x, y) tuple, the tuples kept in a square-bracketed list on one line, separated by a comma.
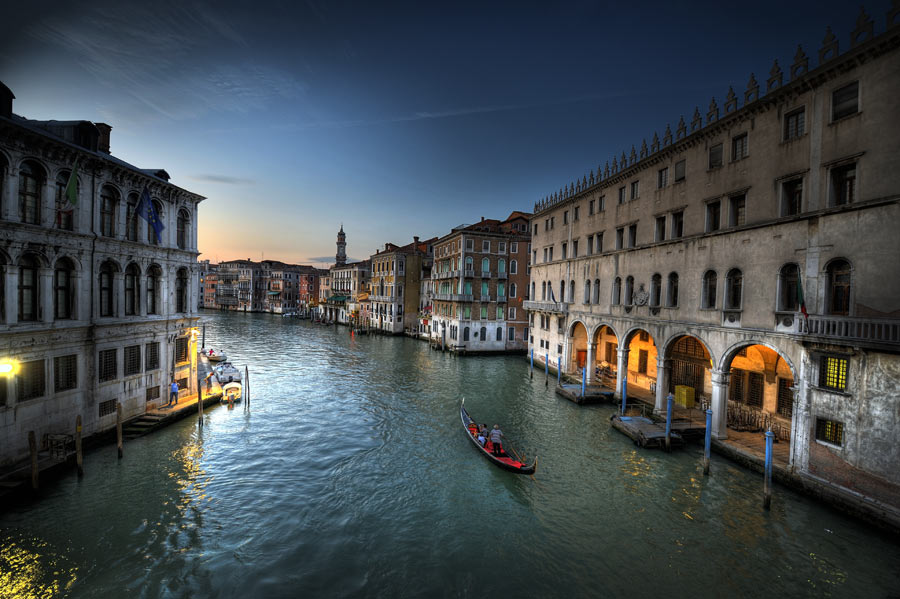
[(95, 309), (690, 262), (395, 285), (480, 278)]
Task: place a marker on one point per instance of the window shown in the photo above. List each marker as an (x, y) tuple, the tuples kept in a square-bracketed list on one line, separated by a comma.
[(544, 290), (575, 215), (107, 292), (629, 290), (511, 313), (635, 190), (622, 195), (845, 101), (590, 245), (838, 273), (587, 292), (106, 365), (632, 235), (655, 290), (152, 393), (485, 267), (601, 204), (829, 431), (710, 280), (184, 229), (794, 124), (131, 217), (715, 156), (792, 197), (737, 215), (512, 290), (565, 217), (788, 299), (499, 330), (153, 276), (483, 314), (107, 407), (132, 289), (598, 246), (739, 147), (551, 253), (109, 197), (514, 247), (662, 177), (30, 380), (679, 170), (181, 290), (672, 291), (181, 350), (591, 208), (843, 185), (485, 246), (470, 243), (132, 360), (65, 212), (713, 213), (501, 265), (785, 400), (501, 290), (513, 267), (734, 282), (642, 361), (571, 298), (595, 299), (545, 254), (501, 249), (63, 289), (29, 290), (151, 356), (31, 180), (565, 250), (575, 248), (620, 238), (483, 332), (510, 333), (617, 291), (65, 373), (677, 224), (660, 234)]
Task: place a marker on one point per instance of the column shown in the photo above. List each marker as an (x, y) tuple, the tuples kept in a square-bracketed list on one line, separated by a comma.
[(48, 204), (589, 363), (9, 206), (663, 372), (720, 404), (11, 286), (567, 348), (82, 308), (622, 372), (46, 295), (801, 422), (119, 290)]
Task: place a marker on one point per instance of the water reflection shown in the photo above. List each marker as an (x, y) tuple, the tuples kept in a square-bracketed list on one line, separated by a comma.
[(30, 568)]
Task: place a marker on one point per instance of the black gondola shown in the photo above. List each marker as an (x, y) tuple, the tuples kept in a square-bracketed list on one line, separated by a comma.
[(504, 460)]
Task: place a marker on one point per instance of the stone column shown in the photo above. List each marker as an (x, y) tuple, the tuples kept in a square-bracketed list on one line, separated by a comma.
[(11, 287), (48, 204), (82, 308), (720, 404), (10, 198), (48, 309), (119, 294), (141, 294), (663, 372), (567, 349), (622, 371), (589, 364), (801, 421)]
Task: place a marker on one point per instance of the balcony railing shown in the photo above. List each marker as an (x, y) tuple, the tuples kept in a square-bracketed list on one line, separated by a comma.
[(470, 272), (485, 274), (556, 307), (878, 330), (452, 297), (502, 275)]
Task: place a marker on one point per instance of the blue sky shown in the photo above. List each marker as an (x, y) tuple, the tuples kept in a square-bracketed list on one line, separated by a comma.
[(395, 119)]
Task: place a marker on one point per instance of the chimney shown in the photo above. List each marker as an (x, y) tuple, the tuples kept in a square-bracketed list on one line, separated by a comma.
[(6, 101), (482, 219), (416, 239), (103, 142)]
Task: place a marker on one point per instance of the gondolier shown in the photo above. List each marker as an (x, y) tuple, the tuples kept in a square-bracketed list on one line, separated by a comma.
[(497, 440), (508, 459)]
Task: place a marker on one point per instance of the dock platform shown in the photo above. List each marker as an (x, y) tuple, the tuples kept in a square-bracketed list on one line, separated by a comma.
[(593, 394), (644, 431)]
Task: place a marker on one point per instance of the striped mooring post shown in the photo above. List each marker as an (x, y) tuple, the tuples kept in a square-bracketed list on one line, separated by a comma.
[(767, 484), (707, 441)]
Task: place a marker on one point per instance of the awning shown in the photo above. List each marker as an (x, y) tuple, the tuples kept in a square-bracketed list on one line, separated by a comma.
[(337, 299)]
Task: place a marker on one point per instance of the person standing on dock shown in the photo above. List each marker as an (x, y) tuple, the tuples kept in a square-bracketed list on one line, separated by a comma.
[(209, 383), (173, 394), (497, 440)]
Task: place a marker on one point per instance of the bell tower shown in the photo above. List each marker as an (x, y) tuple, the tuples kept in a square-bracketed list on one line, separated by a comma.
[(341, 257)]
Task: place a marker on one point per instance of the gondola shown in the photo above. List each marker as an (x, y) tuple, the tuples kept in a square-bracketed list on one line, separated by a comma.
[(507, 462)]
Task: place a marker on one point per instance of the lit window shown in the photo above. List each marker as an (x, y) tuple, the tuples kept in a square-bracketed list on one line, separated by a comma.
[(833, 373)]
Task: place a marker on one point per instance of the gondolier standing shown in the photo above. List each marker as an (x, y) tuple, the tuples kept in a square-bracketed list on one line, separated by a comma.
[(496, 440)]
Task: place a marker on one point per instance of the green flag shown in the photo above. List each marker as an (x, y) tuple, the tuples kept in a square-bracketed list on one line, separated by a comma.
[(72, 185)]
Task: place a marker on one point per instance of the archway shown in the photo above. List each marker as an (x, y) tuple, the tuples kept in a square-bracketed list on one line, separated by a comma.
[(578, 345), (640, 362), (690, 371), (606, 355)]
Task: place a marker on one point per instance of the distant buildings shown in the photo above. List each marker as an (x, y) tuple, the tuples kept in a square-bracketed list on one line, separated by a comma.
[(265, 286), (95, 310)]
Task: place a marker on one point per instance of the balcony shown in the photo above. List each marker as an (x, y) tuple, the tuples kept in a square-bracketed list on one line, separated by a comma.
[(502, 275), (873, 330), (382, 298), (555, 307), (485, 274), (452, 297), (501, 298), (470, 272)]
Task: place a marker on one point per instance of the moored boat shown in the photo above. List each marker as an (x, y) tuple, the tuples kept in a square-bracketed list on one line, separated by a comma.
[(226, 372), (216, 356), (231, 393), (507, 461)]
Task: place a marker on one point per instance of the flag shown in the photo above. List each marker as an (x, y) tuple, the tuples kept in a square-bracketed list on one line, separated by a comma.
[(72, 185), (146, 211), (800, 300), (552, 298)]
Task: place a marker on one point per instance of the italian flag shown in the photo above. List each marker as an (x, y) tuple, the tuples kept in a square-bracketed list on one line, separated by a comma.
[(800, 299), (72, 185)]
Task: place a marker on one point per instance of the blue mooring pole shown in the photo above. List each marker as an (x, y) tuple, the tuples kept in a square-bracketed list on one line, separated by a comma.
[(546, 369), (532, 362), (583, 379), (624, 392), (707, 442), (767, 485), (669, 423), (558, 369)]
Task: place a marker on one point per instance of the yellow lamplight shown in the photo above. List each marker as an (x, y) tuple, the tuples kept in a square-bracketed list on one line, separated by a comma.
[(7, 367)]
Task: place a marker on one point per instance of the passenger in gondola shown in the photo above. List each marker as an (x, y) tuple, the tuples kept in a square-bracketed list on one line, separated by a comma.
[(481, 438), (497, 440)]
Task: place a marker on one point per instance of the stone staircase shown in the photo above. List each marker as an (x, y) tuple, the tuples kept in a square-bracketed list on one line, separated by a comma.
[(142, 425)]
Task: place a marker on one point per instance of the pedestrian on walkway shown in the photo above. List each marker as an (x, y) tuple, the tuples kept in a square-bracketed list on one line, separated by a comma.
[(208, 382), (173, 394)]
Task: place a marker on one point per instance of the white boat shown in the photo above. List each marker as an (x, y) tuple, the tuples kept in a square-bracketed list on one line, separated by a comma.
[(231, 393), (225, 372), (215, 356)]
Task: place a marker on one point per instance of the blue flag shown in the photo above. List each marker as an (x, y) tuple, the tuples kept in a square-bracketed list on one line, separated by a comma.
[(147, 211)]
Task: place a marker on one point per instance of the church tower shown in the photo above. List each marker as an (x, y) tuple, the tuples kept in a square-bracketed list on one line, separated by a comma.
[(341, 258)]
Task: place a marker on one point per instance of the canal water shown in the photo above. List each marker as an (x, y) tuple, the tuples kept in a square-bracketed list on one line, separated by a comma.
[(351, 476)]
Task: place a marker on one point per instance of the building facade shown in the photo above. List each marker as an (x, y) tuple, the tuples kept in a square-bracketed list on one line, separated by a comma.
[(96, 309), (396, 284), (694, 262), (480, 277)]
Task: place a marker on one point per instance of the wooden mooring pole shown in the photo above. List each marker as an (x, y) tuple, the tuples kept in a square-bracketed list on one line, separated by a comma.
[(119, 429), (35, 473), (246, 390), (559, 372), (767, 484), (707, 442), (79, 457), (199, 395)]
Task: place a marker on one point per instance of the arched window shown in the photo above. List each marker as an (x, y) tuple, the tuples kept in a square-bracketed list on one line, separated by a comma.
[(499, 333), (467, 288), (131, 218), (672, 292), (788, 298), (617, 291), (466, 334), (64, 290), (31, 180), (154, 274), (655, 290), (629, 290), (151, 232), (483, 333), (513, 267), (571, 298), (485, 265), (107, 289), (469, 263), (501, 265), (109, 198), (65, 211), (181, 289), (710, 281), (587, 291), (734, 282), (596, 298), (132, 289), (562, 291), (839, 287), (512, 290), (29, 289), (184, 229)]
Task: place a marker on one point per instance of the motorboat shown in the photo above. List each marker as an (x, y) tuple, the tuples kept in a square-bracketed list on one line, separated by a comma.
[(226, 372), (215, 356)]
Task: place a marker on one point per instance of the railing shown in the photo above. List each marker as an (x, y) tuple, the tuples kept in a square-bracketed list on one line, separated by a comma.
[(502, 275), (558, 307), (501, 298), (382, 298), (881, 330), (485, 274), (470, 272), (452, 297)]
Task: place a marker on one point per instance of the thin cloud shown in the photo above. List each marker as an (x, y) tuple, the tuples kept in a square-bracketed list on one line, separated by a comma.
[(213, 178)]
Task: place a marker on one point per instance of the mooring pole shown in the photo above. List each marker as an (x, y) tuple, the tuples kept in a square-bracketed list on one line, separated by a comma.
[(583, 381), (35, 473), (203, 344), (546, 369), (246, 390), (79, 458), (119, 429), (624, 391), (669, 423), (707, 441), (558, 370), (767, 484), (532, 362), (199, 395)]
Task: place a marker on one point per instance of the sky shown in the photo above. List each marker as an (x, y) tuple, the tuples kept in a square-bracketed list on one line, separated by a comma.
[(394, 119)]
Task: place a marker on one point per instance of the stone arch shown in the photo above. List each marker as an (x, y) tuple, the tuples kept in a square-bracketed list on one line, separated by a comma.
[(729, 354), (578, 345), (37, 162), (40, 254), (672, 339)]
